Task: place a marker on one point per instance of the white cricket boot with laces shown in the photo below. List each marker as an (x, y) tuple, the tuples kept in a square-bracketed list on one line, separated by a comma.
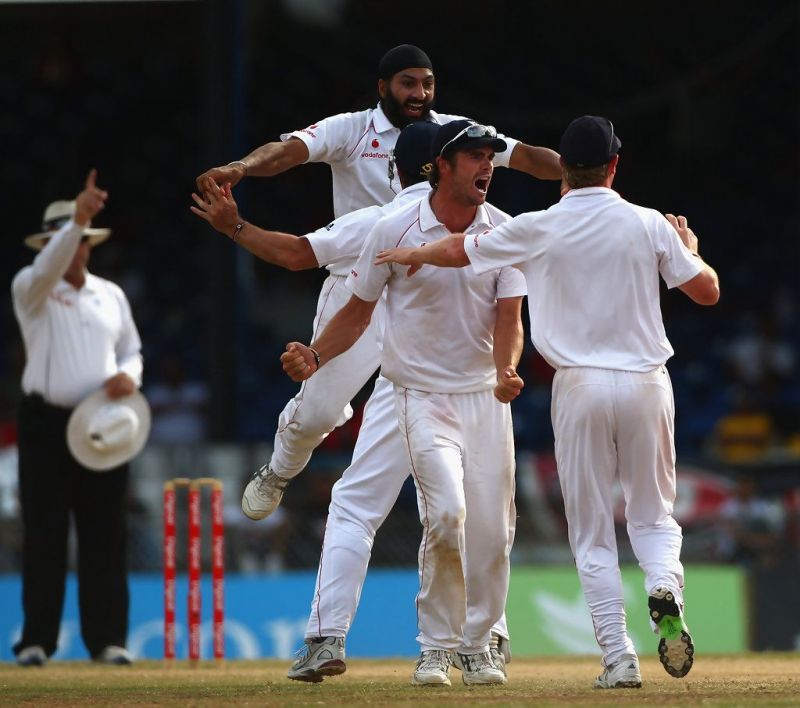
[(433, 668), (621, 674), (500, 649), (479, 669), (263, 493), (320, 657)]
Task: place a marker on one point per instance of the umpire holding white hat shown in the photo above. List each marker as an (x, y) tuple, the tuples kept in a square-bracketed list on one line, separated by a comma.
[(83, 369)]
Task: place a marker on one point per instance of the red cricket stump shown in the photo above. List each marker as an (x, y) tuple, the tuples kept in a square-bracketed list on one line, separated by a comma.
[(218, 570), (194, 560), (169, 571)]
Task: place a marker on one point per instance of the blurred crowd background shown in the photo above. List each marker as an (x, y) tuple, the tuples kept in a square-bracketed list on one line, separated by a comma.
[(703, 95)]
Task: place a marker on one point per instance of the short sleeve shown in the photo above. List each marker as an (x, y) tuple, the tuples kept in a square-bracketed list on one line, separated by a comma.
[(508, 244), (328, 140), (511, 283), (676, 263), (368, 280), (344, 237)]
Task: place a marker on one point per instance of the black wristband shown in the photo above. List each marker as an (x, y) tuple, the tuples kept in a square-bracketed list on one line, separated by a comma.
[(316, 356)]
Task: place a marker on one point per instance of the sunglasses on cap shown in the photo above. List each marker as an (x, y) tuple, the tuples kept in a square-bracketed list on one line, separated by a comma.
[(471, 131)]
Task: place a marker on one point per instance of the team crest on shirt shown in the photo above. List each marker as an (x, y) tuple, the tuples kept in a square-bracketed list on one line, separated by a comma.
[(375, 143)]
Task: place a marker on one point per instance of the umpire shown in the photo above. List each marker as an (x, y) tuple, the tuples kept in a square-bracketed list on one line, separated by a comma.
[(79, 337)]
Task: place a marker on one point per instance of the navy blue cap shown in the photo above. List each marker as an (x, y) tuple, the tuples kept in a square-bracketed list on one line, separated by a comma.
[(449, 140), (412, 152), (589, 141)]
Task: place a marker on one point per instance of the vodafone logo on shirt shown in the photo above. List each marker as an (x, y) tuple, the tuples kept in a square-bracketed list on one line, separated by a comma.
[(310, 130)]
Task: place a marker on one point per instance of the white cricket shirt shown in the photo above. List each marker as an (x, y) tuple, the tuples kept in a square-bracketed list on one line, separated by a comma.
[(338, 244), (74, 339), (592, 263), (357, 146), (440, 322)]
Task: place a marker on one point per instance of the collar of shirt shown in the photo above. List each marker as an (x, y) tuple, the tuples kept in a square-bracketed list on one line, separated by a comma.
[(420, 188), (89, 286), (588, 191), (428, 220), (382, 124)]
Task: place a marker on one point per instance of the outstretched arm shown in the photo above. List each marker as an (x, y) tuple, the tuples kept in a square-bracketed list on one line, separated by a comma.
[(299, 361), (266, 161), (32, 286), (507, 348), (447, 252), (704, 287), (540, 162), (218, 207)]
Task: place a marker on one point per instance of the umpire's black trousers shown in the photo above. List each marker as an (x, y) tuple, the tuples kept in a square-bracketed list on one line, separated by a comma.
[(52, 485)]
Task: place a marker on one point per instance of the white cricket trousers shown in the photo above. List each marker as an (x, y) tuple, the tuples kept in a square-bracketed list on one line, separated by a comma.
[(460, 450), (323, 401), (610, 423), (360, 501)]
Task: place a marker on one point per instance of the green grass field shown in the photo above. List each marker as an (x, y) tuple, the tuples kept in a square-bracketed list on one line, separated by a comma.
[(745, 680)]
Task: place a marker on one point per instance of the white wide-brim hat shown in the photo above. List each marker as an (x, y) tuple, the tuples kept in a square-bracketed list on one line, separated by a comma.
[(55, 216), (104, 432)]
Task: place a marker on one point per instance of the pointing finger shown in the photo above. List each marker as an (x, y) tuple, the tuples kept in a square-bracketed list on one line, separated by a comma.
[(91, 178)]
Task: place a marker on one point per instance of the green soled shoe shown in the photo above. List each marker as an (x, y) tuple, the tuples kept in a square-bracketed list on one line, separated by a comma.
[(675, 647)]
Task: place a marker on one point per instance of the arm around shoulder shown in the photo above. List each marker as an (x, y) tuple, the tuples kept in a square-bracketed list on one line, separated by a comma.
[(539, 162)]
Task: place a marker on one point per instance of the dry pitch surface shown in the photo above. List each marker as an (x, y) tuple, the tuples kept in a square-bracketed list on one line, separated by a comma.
[(756, 679)]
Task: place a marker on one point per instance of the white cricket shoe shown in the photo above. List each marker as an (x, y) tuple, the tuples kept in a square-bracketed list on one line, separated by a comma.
[(675, 649), (500, 649), (432, 669), (33, 655), (622, 674), (320, 657), (263, 493), (479, 669), (118, 656)]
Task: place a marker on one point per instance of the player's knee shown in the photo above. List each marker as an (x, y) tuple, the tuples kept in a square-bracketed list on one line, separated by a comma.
[(320, 420), (446, 524), (345, 523)]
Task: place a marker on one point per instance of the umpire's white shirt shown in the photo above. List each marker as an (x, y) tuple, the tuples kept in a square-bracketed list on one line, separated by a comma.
[(74, 339), (338, 244), (440, 322), (577, 317), (357, 147)]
